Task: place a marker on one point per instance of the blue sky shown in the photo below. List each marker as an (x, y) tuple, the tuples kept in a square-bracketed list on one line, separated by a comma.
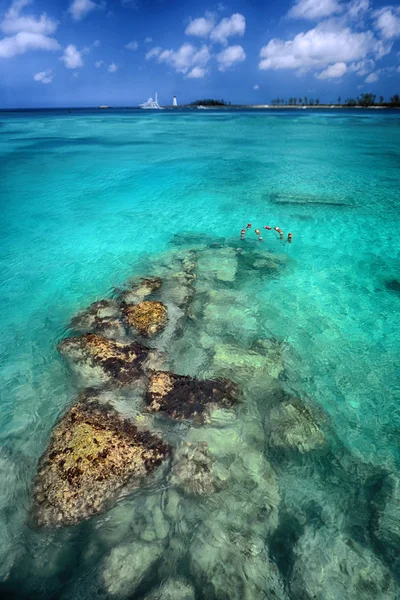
[(118, 52)]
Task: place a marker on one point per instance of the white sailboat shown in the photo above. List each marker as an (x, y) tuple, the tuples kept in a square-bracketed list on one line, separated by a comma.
[(151, 104)]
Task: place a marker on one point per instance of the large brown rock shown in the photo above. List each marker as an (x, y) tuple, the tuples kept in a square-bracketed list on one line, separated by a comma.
[(92, 454), (102, 317), (148, 318), (182, 397), (96, 357)]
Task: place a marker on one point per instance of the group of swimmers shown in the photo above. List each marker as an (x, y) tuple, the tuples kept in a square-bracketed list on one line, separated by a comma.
[(258, 232)]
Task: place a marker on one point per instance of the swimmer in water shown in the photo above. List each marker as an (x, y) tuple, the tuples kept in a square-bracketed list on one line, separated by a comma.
[(289, 238)]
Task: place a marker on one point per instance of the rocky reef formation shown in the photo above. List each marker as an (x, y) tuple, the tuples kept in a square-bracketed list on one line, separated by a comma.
[(173, 589), (96, 358), (293, 425), (148, 318), (92, 454), (140, 289), (102, 317), (182, 397), (329, 565), (193, 471)]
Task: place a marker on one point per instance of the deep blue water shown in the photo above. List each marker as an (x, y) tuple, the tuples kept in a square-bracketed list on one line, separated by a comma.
[(88, 197)]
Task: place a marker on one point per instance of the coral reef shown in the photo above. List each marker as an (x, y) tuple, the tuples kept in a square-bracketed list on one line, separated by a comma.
[(95, 357), (102, 317), (92, 454), (147, 318), (140, 289), (182, 397)]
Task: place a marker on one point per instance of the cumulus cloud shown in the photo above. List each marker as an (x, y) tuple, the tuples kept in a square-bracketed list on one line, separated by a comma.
[(112, 68), (387, 22), (200, 27), (335, 71), (372, 78), (99, 64), (26, 32), (44, 77), (14, 22), (256, 87), (357, 8), (228, 57), (228, 27), (72, 58), (80, 8), (319, 47), (132, 45), (148, 40), (24, 42), (153, 52), (185, 58), (197, 73), (314, 9), (362, 67)]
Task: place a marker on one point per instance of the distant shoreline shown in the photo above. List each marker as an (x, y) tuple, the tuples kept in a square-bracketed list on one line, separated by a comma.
[(188, 107)]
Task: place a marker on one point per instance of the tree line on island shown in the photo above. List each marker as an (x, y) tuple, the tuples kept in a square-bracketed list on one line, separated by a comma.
[(363, 100)]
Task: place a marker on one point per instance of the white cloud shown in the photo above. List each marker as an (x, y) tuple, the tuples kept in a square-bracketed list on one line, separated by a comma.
[(362, 67), (228, 27), (99, 64), (197, 73), (326, 44), (148, 40), (80, 8), (185, 58), (372, 78), (200, 27), (357, 8), (44, 77), (132, 45), (153, 52), (24, 41), (112, 68), (228, 57), (72, 58), (314, 9), (96, 43), (387, 22), (256, 87), (14, 22), (334, 71)]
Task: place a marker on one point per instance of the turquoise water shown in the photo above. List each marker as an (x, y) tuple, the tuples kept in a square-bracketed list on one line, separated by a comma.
[(91, 198)]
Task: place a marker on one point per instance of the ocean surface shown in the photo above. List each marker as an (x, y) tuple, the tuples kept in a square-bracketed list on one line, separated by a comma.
[(90, 199)]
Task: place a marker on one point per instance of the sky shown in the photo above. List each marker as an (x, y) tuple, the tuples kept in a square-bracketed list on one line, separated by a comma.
[(69, 53)]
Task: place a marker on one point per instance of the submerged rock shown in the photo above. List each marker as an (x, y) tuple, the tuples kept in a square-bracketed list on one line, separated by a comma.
[(293, 425), (173, 589), (388, 529), (92, 454), (193, 470), (140, 289), (126, 565), (148, 318), (219, 263), (182, 397), (101, 317), (329, 566), (231, 566), (98, 358)]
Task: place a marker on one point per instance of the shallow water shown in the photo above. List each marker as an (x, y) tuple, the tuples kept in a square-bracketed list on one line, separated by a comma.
[(91, 199)]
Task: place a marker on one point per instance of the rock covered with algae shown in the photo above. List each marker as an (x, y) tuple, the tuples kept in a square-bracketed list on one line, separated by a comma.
[(293, 425), (183, 397), (92, 454), (140, 289), (95, 357), (328, 566), (148, 318), (102, 317), (388, 523), (172, 589), (126, 565)]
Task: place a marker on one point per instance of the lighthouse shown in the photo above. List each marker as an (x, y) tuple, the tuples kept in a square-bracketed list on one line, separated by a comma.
[(174, 101)]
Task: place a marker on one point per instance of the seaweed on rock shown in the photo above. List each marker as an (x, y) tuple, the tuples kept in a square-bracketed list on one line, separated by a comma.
[(183, 397), (103, 360), (148, 318), (92, 454)]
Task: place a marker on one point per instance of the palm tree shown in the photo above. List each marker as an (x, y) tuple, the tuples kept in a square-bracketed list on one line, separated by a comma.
[(300, 100), (381, 99), (317, 101), (305, 100), (339, 100)]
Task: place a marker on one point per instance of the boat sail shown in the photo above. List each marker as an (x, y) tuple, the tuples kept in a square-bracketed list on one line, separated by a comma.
[(151, 104)]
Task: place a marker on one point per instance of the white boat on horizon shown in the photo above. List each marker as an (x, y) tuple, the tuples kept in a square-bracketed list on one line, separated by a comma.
[(151, 104), (201, 107)]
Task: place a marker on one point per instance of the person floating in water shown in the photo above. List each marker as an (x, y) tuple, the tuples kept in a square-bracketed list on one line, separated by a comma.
[(289, 238)]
